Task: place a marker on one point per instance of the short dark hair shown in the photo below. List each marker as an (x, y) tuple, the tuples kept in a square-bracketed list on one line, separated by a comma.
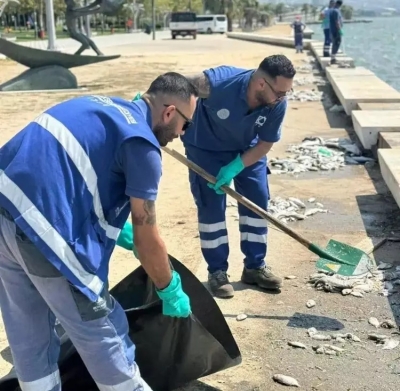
[(278, 65), (173, 83), (339, 2)]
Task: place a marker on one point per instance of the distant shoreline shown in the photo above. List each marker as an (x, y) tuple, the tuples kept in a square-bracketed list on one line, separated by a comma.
[(346, 21)]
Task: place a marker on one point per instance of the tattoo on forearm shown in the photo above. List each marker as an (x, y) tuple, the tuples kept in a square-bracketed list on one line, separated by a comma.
[(146, 218), (202, 84)]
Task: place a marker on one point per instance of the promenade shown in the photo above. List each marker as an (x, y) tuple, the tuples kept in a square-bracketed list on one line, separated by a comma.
[(359, 201)]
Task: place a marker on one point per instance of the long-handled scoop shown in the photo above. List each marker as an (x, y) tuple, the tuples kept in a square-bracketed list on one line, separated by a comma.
[(337, 257)]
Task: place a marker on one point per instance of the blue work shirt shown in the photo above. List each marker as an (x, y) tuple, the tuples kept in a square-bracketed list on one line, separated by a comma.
[(224, 122), (335, 17), (298, 27), (326, 22)]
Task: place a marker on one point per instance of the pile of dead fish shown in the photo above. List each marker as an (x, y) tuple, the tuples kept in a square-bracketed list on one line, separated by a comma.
[(380, 280), (319, 81), (306, 95), (318, 154), (293, 209)]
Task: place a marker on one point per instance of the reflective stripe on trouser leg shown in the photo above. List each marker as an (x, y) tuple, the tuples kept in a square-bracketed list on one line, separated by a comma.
[(99, 330), (327, 42), (210, 210), (252, 183), (28, 321)]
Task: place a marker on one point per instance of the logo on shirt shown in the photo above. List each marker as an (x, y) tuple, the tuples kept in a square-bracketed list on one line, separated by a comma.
[(106, 101), (260, 121), (223, 113)]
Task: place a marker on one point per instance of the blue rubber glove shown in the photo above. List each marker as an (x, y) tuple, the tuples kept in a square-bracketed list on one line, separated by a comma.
[(227, 173), (137, 96), (126, 238), (175, 301)]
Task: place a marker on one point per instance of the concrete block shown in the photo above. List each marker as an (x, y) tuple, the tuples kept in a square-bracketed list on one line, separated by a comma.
[(389, 162), (368, 124), (268, 39), (378, 106), (359, 85), (389, 140)]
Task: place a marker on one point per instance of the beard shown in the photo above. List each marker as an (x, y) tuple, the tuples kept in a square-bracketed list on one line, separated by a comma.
[(164, 133), (262, 101)]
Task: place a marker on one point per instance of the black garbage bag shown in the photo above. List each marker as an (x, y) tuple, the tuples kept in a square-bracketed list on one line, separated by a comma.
[(170, 352)]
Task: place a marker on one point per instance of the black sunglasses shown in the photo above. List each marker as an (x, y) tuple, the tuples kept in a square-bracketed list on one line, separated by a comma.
[(188, 122), (279, 95)]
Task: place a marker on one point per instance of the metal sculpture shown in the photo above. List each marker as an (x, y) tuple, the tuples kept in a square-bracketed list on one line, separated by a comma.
[(106, 7), (49, 70)]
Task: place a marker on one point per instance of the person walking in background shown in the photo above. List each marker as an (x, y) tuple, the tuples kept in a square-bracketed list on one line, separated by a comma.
[(326, 27), (336, 26), (298, 26)]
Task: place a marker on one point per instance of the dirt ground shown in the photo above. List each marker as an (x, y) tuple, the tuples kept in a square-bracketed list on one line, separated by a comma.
[(357, 198)]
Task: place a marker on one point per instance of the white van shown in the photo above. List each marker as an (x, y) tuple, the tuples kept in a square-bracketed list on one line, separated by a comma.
[(183, 23), (210, 24)]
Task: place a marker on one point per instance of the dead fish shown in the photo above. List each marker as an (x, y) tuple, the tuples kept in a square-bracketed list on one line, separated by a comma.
[(286, 380), (311, 331), (313, 211), (321, 337), (297, 202), (374, 322), (346, 292), (291, 277), (241, 317), (377, 337), (390, 344), (353, 337), (335, 348), (388, 324), (295, 344), (385, 266), (310, 303), (356, 293), (319, 205)]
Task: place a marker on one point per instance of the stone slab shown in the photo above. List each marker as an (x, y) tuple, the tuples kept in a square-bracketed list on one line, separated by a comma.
[(316, 48), (268, 39), (368, 124), (359, 85), (389, 140), (378, 106), (389, 162)]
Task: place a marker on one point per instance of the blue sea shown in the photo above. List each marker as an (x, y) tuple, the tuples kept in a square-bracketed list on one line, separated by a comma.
[(375, 46)]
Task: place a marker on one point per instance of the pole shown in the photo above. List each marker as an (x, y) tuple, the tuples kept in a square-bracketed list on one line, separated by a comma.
[(87, 23), (51, 30), (153, 17)]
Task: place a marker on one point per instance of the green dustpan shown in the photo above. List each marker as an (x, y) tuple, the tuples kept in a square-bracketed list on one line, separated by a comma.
[(337, 258)]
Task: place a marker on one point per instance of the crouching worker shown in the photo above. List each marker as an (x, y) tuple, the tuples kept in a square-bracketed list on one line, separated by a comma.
[(68, 182)]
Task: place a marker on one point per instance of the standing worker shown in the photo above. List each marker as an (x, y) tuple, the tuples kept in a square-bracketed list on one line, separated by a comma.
[(336, 27), (68, 182), (298, 27), (326, 27), (238, 118)]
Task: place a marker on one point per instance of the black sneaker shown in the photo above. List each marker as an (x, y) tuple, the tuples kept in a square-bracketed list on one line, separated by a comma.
[(263, 277), (219, 285)]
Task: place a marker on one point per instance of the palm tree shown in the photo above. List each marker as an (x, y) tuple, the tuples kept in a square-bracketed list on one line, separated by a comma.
[(305, 9)]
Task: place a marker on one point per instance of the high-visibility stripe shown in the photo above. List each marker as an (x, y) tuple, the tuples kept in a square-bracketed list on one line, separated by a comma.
[(252, 222), (44, 384), (250, 237), (83, 164), (47, 233), (134, 384), (209, 244), (207, 228)]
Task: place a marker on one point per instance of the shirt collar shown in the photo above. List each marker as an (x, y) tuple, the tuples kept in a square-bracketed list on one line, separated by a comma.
[(145, 109)]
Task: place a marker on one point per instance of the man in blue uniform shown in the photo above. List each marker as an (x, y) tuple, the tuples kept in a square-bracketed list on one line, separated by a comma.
[(238, 119), (336, 27), (68, 182), (298, 27), (325, 26)]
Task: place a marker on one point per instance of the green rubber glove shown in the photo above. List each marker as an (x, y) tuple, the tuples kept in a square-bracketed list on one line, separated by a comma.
[(227, 173), (126, 238), (175, 301), (137, 96)]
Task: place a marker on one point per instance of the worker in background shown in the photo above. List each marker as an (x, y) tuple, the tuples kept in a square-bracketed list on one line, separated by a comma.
[(65, 194), (238, 119), (298, 27), (326, 28), (336, 27)]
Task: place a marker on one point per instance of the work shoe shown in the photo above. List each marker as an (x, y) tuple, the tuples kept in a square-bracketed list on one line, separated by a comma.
[(263, 277), (219, 285)]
